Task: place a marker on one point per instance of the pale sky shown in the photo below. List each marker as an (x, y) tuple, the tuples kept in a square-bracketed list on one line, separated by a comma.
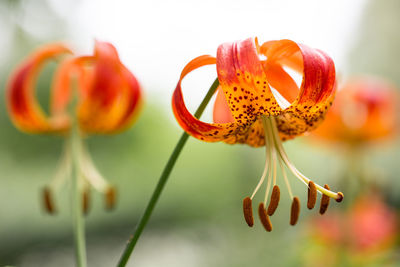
[(156, 39)]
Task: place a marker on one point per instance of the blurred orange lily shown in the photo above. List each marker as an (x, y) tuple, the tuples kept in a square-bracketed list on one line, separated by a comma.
[(364, 112), (107, 96), (259, 104), (363, 234)]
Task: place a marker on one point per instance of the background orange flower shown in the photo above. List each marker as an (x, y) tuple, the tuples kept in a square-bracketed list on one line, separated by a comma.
[(365, 111)]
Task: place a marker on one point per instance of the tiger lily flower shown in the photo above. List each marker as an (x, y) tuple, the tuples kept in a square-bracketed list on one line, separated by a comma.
[(105, 99), (364, 112), (259, 104)]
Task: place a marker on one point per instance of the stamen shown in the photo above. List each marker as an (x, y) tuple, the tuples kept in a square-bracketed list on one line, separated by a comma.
[(85, 201), (289, 188), (264, 218), (274, 165), (292, 168), (340, 198), (63, 169), (110, 197), (266, 166), (48, 201), (324, 202), (91, 174), (312, 195), (275, 196), (248, 211), (295, 211), (262, 177), (271, 155), (268, 186)]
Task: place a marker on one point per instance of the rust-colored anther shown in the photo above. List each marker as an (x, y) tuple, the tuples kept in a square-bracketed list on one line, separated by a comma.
[(312, 195), (324, 202), (48, 201), (85, 201), (248, 211), (110, 197), (264, 218), (295, 211), (273, 204), (340, 198)]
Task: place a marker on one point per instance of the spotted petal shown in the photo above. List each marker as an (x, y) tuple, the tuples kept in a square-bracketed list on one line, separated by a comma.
[(251, 86), (317, 89), (211, 132)]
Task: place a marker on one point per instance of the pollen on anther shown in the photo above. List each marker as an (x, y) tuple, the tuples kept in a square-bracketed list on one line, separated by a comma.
[(248, 211), (264, 218), (312, 195), (273, 204), (110, 196), (324, 202), (340, 198), (295, 211), (48, 201)]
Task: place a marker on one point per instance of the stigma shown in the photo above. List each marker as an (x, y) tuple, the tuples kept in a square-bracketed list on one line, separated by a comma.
[(276, 156)]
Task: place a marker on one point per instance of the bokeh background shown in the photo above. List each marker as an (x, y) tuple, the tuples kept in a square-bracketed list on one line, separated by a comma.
[(198, 221)]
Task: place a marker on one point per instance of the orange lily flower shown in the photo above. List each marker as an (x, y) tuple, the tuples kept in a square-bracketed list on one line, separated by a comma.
[(107, 96), (259, 104), (364, 112)]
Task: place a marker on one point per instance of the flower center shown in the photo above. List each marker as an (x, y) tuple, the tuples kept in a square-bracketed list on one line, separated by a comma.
[(276, 155)]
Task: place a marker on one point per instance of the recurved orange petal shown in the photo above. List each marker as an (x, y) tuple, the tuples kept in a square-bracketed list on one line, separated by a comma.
[(317, 89), (221, 112), (211, 132), (71, 74), (22, 104), (244, 82), (253, 86), (111, 98)]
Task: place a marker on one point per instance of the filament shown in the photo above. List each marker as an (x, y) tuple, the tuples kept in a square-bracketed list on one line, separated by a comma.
[(266, 166), (297, 173), (262, 177), (268, 187), (274, 165), (90, 172), (289, 188), (63, 169)]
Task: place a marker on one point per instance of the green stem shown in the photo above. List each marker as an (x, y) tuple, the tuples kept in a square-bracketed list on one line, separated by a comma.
[(162, 181), (79, 224)]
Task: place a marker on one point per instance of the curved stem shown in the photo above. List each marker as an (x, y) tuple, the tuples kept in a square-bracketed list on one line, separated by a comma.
[(79, 224), (162, 181)]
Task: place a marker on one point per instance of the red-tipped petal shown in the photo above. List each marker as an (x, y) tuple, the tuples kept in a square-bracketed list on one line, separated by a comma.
[(244, 82), (111, 99), (201, 130), (23, 106), (319, 76), (316, 92), (71, 73), (245, 79)]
